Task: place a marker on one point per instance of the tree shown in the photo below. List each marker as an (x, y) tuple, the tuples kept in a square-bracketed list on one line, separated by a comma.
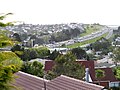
[(99, 74), (43, 52), (54, 54), (79, 53), (91, 56), (117, 72), (29, 54), (17, 37), (67, 65), (101, 45), (116, 55), (34, 68), (2, 17), (9, 62), (4, 39), (17, 48)]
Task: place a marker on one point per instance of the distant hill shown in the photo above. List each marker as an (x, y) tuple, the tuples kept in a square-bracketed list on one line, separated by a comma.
[(45, 34)]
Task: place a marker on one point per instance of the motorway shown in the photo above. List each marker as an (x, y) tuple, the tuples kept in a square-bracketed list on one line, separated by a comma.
[(84, 38), (109, 34)]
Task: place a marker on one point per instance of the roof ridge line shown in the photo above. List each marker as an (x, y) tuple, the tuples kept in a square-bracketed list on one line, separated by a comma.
[(81, 81), (34, 76)]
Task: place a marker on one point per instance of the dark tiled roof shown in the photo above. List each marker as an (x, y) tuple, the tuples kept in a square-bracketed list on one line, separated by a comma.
[(86, 64), (49, 65), (90, 65), (30, 82), (67, 83), (109, 75)]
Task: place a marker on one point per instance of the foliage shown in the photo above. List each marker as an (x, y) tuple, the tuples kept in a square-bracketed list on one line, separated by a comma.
[(114, 88), (67, 65), (9, 64), (4, 40), (101, 44), (91, 57), (17, 48), (34, 68), (91, 29), (79, 53), (17, 37), (117, 72), (99, 73), (65, 34), (116, 54), (2, 17), (43, 52), (54, 55), (29, 54)]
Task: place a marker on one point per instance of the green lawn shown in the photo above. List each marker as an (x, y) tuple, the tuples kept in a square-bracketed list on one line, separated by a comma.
[(91, 29), (86, 42)]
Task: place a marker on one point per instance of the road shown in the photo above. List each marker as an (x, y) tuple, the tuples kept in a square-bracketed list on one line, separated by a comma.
[(84, 38), (105, 62), (109, 34)]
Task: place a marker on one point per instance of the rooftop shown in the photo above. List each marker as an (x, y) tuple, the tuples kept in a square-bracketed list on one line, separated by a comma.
[(29, 82)]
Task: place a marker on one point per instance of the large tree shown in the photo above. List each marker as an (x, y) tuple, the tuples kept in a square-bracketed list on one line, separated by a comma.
[(54, 55), (79, 53), (101, 45), (9, 62), (67, 65), (43, 52), (17, 37), (34, 68)]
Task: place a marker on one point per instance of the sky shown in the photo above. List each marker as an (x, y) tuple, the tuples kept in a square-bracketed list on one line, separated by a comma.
[(105, 12)]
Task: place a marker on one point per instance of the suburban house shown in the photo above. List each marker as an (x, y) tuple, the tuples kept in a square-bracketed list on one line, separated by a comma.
[(107, 81), (30, 82)]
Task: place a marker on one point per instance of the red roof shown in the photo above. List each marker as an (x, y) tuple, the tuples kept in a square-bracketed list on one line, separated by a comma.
[(29, 82), (48, 65), (67, 83), (85, 63), (109, 75), (90, 65)]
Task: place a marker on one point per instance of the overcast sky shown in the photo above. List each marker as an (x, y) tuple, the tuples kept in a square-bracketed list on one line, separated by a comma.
[(63, 11)]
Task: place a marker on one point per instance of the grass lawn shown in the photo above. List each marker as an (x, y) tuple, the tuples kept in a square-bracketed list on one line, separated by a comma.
[(91, 29), (86, 42)]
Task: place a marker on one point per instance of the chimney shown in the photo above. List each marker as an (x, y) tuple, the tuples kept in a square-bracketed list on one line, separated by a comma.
[(87, 74)]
